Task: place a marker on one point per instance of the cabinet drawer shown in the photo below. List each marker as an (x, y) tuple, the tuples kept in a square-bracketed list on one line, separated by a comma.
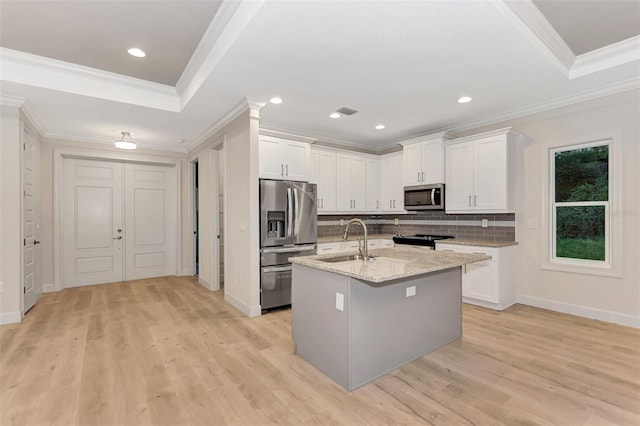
[(349, 245), (326, 248)]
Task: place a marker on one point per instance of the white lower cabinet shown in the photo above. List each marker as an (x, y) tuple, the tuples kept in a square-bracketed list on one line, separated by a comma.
[(352, 245), (488, 283)]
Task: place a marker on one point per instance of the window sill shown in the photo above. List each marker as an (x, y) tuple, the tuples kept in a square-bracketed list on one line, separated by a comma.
[(602, 271)]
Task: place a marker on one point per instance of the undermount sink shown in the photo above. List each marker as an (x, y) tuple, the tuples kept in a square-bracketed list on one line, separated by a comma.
[(347, 258)]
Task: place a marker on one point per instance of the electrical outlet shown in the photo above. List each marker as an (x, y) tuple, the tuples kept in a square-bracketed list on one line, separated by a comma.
[(339, 301), (411, 291), (485, 223), (341, 222), (396, 221)]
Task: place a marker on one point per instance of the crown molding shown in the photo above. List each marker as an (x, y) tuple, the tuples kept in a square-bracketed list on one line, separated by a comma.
[(102, 141), (233, 113), (228, 23), (444, 136), (33, 70), (616, 54), (11, 101), (286, 135), (528, 19), (32, 118), (613, 89)]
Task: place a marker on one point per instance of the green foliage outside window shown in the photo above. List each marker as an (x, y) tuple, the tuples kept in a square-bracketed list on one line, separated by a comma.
[(581, 176)]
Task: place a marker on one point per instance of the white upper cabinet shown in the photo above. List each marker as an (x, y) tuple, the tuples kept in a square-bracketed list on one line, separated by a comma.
[(351, 182), (373, 185), (424, 160), (284, 159), (481, 173), (323, 166), (391, 183)]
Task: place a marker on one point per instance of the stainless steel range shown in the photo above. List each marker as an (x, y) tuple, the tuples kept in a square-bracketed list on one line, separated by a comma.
[(288, 222), (420, 239)]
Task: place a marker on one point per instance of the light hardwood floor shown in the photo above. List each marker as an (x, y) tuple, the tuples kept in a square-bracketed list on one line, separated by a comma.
[(166, 351)]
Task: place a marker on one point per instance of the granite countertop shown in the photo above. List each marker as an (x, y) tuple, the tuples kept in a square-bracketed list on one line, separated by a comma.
[(479, 243), (391, 263), (338, 238)]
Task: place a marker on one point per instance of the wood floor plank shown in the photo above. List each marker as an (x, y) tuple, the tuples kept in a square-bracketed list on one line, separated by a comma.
[(167, 351)]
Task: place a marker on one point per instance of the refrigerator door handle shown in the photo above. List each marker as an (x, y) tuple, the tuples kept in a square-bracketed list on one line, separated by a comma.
[(296, 213), (289, 213), (277, 269)]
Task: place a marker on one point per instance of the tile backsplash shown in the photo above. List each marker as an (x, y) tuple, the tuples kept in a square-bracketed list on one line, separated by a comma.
[(501, 226)]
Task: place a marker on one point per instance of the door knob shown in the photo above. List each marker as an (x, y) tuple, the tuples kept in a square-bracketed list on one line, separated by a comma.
[(118, 230), (119, 237), (36, 242)]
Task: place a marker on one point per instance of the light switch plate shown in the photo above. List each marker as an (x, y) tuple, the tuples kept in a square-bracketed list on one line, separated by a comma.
[(339, 301), (396, 221), (485, 223), (411, 291)]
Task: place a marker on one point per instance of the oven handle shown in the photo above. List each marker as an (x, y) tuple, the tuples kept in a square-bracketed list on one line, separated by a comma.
[(288, 249), (277, 269)]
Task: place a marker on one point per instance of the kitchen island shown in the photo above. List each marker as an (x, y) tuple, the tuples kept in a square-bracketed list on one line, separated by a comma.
[(356, 320)]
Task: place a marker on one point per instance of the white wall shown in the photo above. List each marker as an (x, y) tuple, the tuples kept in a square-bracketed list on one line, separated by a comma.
[(242, 278), (607, 298), (10, 215)]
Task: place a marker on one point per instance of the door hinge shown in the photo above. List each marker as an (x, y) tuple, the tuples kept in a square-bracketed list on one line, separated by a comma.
[(24, 242), (24, 290), (24, 146)]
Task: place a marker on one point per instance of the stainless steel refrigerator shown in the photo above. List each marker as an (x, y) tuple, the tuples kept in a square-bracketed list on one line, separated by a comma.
[(288, 221)]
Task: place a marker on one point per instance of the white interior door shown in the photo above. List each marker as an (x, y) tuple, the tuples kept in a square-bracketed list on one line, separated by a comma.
[(32, 286), (92, 216), (150, 221)]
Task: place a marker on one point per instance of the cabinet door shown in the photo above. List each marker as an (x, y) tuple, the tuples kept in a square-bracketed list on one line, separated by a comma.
[(271, 159), (313, 167), (433, 162), (398, 187), (326, 181), (412, 160), (481, 281), (490, 174), (387, 184), (358, 182), (459, 177), (373, 185), (343, 181), (296, 166)]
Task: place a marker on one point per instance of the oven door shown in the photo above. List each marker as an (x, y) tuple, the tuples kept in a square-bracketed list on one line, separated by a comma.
[(275, 286)]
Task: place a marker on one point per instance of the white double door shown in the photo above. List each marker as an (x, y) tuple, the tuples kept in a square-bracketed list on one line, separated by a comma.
[(119, 221)]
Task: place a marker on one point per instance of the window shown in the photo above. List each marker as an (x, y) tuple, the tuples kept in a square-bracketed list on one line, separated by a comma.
[(580, 197)]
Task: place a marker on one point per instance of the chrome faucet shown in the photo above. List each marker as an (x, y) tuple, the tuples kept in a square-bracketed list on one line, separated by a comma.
[(364, 251)]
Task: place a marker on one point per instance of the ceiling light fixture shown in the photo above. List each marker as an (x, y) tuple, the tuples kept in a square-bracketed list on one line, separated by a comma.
[(464, 100), (276, 100), (125, 141), (334, 115), (134, 51), (380, 127)]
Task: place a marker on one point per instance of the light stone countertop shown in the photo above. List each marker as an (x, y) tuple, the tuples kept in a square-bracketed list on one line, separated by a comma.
[(479, 243), (391, 263)]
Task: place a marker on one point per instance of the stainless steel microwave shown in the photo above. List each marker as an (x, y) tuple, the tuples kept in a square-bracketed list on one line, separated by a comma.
[(424, 197)]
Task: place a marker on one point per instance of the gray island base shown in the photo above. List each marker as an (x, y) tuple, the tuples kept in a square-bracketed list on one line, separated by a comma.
[(379, 328)]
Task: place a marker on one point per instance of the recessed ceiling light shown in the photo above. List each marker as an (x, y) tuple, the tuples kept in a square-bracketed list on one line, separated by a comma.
[(380, 127), (464, 100), (334, 115), (275, 100), (134, 51)]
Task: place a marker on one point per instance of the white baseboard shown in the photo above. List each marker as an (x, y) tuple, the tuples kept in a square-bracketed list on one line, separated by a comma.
[(184, 272), (581, 311), (204, 283), (10, 317), (48, 288), (250, 311)]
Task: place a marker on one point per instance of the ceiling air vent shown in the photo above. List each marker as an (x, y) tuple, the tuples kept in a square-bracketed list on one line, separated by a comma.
[(346, 111)]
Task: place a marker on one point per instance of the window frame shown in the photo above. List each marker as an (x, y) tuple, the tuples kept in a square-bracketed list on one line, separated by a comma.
[(607, 263), (616, 215)]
